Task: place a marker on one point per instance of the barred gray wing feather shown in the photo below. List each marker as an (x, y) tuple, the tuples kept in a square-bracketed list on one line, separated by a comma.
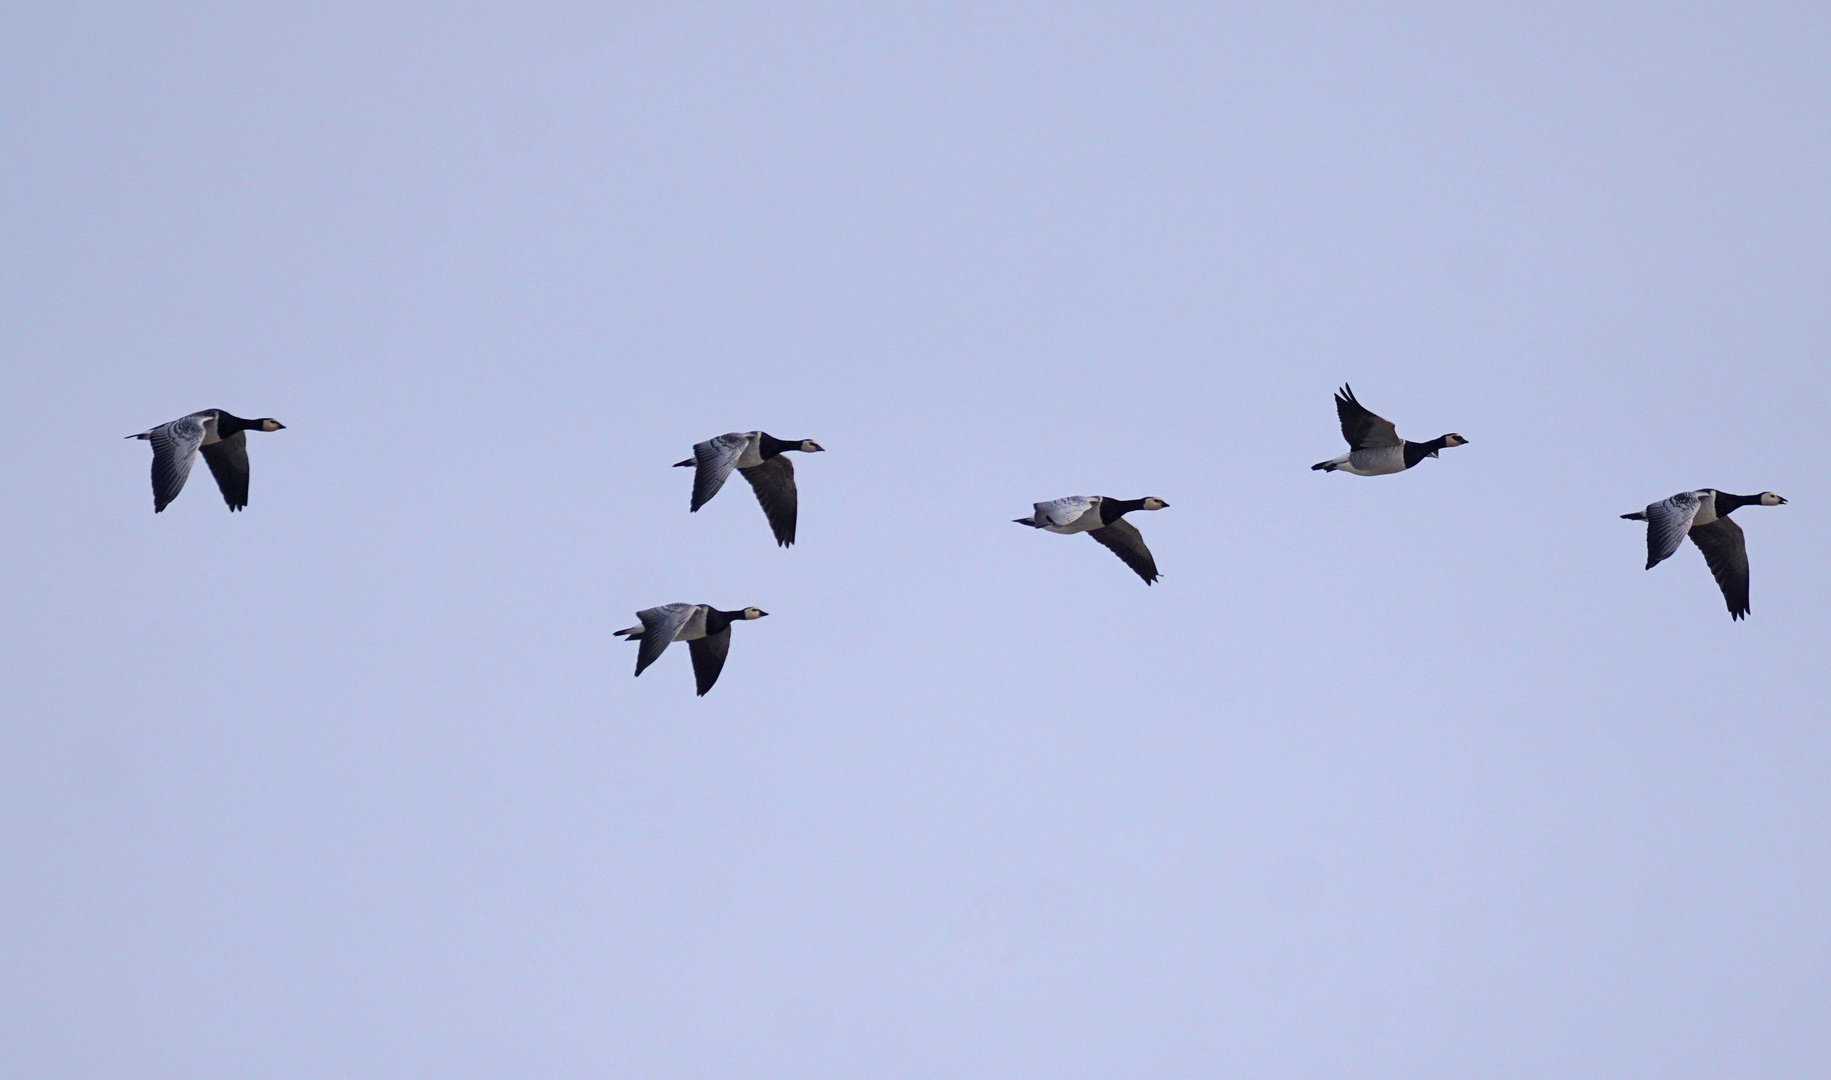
[(1726, 551), (228, 461), (1125, 541), (715, 459), (174, 452), (659, 625), (774, 483), (1667, 522), (1363, 428), (1066, 511), (709, 658)]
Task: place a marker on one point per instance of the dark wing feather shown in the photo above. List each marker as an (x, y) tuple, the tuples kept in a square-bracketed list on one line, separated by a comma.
[(709, 657), (228, 461), (1125, 541), (1726, 552), (1363, 429), (774, 482)]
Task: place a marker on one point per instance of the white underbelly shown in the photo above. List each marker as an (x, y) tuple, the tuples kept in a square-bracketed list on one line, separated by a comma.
[(1087, 522), (1380, 462)]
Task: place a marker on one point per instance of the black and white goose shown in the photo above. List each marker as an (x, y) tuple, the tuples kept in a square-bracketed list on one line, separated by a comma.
[(705, 629), (1374, 446), (1103, 519), (221, 436), (759, 456), (1703, 515)]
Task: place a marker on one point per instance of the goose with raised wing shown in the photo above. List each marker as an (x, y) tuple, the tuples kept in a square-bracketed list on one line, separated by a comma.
[(705, 629), (1703, 515), (222, 438), (759, 456), (1374, 446), (1102, 518)]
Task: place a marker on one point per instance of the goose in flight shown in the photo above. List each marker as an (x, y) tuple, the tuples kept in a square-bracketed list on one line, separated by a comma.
[(1374, 446), (1703, 515), (758, 455), (221, 436), (1103, 519), (705, 629)]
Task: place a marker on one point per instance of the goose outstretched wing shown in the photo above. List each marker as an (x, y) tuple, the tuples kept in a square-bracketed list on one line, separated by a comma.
[(1125, 541), (709, 658), (774, 483), (713, 461), (659, 625), (1667, 522), (228, 461), (1363, 428), (1726, 552), (174, 452), (1060, 512)]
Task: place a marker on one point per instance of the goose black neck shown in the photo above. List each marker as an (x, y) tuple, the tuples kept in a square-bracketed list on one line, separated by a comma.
[(769, 446), (228, 424), (1418, 451), (1112, 510), (1727, 502), (717, 621)]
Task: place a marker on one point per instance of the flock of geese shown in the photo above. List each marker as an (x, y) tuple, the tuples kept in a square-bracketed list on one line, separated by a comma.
[(1374, 449)]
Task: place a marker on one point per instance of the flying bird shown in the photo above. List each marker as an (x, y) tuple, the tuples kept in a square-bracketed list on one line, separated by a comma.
[(705, 629), (1103, 519), (1374, 446), (221, 436), (1703, 515), (759, 456)]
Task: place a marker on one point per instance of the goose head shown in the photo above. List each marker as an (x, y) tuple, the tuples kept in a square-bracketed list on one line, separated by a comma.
[(809, 446), (1768, 498), (1152, 502), (753, 613)]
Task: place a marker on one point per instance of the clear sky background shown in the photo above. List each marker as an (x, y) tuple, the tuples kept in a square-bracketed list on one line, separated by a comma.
[(1410, 777)]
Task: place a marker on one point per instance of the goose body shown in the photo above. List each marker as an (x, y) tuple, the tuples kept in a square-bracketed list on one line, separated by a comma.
[(1102, 518), (222, 438), (705, 629), (1374, 446), (1703, 515), (759, 456)]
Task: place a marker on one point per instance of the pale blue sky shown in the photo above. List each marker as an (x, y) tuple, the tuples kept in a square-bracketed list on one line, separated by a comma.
[(1404, 778)]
